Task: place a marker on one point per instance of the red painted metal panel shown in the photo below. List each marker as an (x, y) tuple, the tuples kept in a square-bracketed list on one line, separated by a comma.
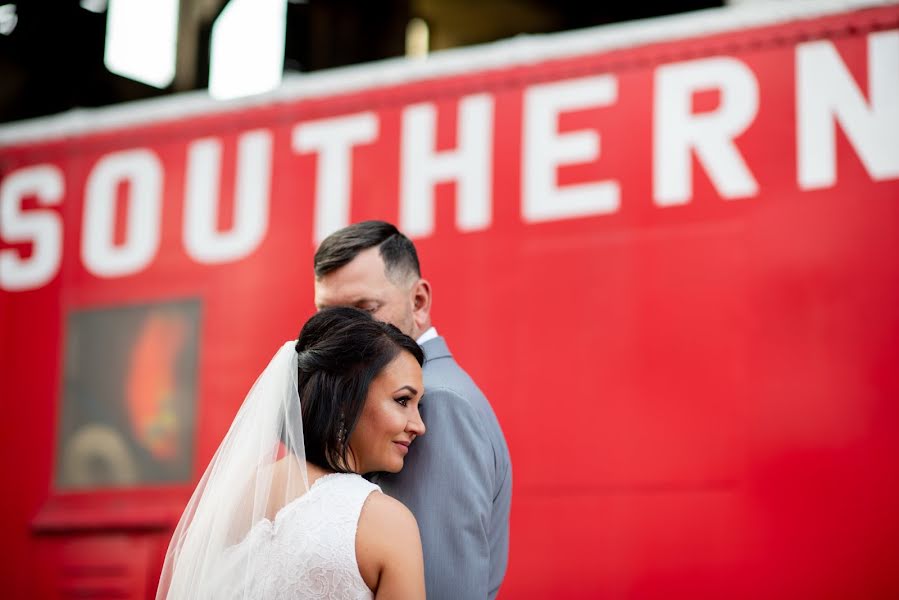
[(699, 399)]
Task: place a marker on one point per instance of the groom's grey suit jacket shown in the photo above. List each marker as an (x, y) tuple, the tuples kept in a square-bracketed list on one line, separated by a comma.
[(457, 481)]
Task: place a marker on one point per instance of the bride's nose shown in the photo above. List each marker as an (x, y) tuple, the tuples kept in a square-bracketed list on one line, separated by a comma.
[(416, 426)]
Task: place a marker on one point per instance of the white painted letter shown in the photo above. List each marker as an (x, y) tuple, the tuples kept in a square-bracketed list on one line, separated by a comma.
[(469, 165), (253, 177), (544, 150), (42, 228), (677, 132), (334, 140), (142, 170), (826, 92)]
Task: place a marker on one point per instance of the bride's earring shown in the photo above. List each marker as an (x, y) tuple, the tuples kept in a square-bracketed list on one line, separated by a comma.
[(341, 431)]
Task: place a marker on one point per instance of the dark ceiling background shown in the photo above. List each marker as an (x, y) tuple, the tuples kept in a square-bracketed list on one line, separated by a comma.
[(52, 60)]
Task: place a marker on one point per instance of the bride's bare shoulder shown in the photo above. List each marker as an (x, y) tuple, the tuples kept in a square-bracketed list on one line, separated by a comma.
[(387, 540), (386, 517)]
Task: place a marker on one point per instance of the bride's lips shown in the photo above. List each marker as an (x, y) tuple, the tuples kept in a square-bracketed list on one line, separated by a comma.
[(403, 447)]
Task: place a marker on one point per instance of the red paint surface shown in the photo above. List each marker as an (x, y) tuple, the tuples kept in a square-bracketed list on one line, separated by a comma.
[(700, 401)]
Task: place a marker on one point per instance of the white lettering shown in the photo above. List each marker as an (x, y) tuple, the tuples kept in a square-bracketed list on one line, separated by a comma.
[(41, 228), (334, 139), (678, 133), (470, 165), (827, 94), (252, 186), (544, 150), (142, 170)]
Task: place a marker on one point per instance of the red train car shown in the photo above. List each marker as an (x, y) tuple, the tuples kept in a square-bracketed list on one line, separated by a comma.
[(667, 250)]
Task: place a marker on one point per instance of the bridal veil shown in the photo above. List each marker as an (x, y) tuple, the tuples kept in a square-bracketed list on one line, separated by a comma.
[(259, 468)]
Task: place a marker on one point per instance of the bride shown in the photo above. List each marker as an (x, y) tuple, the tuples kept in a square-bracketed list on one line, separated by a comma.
[(282, 510)]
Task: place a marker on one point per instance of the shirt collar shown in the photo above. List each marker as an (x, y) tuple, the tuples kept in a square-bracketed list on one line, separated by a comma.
[(430, 334)]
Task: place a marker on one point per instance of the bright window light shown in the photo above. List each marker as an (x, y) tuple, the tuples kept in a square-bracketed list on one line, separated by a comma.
[(141, 40), (95, 6), (247, 48), (8, 18), (417, 35)]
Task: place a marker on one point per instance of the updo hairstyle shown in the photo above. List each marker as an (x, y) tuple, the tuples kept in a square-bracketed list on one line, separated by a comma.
[(340, 351)]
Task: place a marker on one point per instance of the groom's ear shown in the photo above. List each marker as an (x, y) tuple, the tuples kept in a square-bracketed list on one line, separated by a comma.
[(421, 304)]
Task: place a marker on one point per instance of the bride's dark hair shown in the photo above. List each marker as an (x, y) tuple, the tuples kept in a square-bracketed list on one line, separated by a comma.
[(340, 351)]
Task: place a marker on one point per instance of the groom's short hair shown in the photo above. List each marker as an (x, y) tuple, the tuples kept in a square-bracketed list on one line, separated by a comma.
[(396, 250)]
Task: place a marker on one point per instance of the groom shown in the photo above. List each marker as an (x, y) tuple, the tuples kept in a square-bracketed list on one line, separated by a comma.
[(457, 479)]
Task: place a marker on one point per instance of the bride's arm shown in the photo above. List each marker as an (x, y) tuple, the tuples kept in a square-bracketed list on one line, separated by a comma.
[(388, 549)]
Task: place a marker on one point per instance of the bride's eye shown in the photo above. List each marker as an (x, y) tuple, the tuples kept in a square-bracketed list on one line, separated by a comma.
[(403, 400)]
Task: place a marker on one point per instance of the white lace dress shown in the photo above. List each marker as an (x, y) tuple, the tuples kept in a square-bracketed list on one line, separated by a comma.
[(308, 551)]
